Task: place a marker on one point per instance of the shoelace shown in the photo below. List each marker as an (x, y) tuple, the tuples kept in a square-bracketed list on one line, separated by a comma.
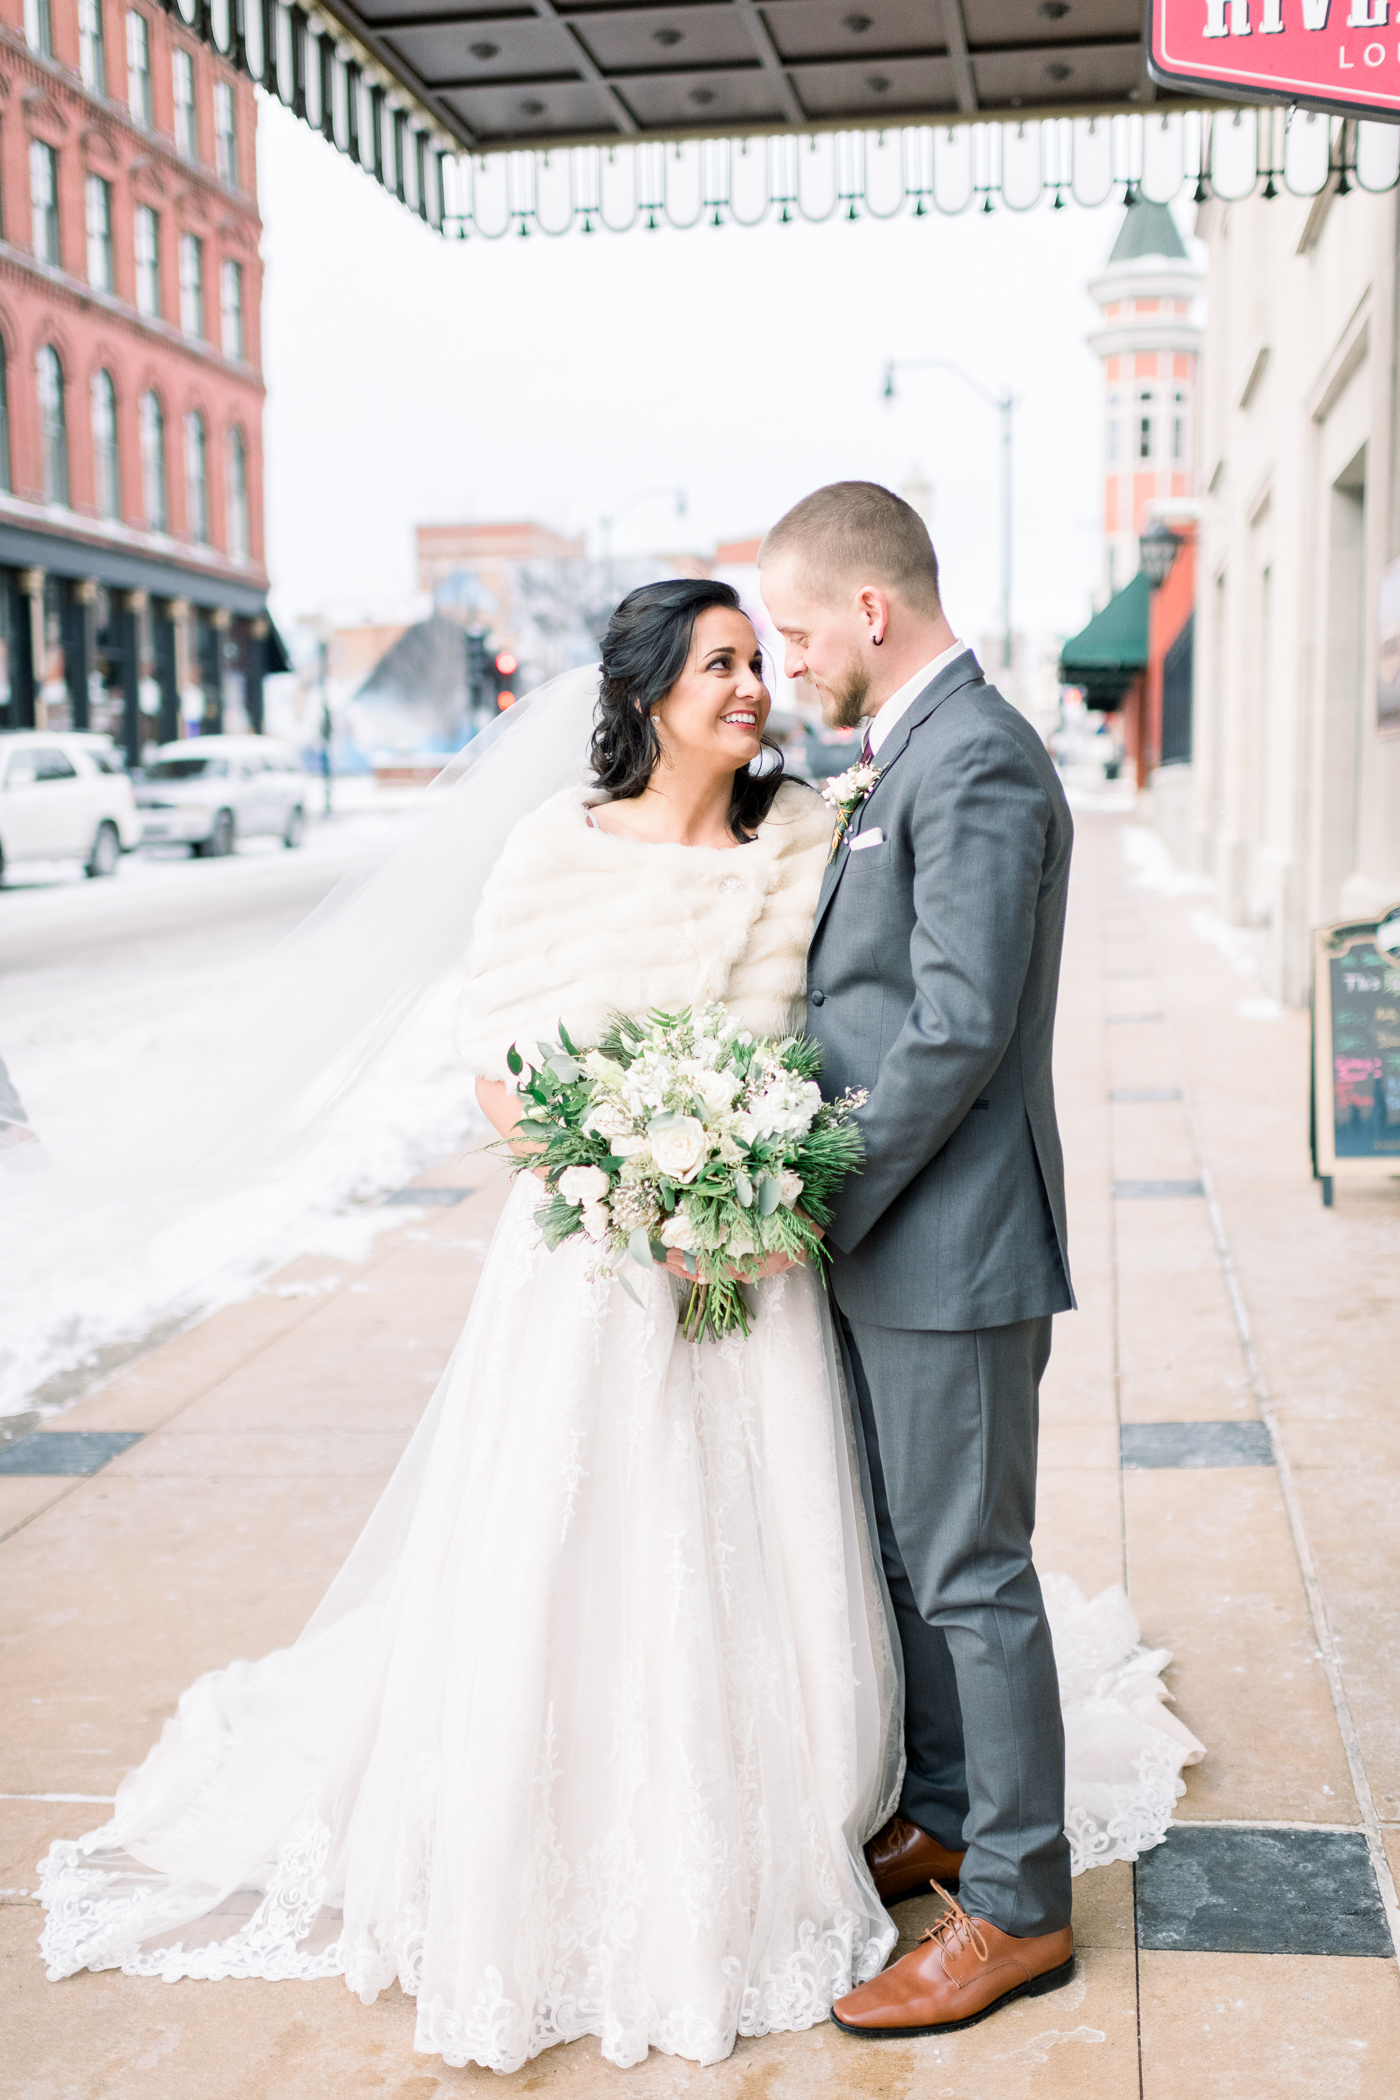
[(955, 1925)]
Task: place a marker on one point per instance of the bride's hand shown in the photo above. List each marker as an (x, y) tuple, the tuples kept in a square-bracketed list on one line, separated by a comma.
[(771, 1265)]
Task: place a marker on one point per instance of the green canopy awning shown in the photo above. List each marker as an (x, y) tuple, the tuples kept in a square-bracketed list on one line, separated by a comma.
[(1108, 654)]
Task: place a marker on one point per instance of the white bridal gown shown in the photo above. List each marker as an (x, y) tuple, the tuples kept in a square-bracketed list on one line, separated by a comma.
[(589, 1731)]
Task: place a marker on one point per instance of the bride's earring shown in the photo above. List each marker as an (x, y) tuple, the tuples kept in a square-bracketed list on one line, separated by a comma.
[(876, 639)]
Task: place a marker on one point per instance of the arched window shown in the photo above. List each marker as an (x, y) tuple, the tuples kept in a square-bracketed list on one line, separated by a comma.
[(153, 462), (106, 463), (237, 495), (53, 424), (5, 479), (196, 478)]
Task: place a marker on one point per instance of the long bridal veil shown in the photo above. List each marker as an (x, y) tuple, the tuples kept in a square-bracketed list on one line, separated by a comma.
[(160, 1181)]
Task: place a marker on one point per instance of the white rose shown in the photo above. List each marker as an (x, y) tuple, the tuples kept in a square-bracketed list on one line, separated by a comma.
[(596, 1220), (678, 1147), (628, 1147), (789, 1188), (678, 1232), (716, 1090), (586, 1185)]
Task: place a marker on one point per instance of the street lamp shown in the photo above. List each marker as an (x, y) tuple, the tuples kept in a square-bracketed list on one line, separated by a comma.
[(1003, 404), (605, 525), (1156, 552)]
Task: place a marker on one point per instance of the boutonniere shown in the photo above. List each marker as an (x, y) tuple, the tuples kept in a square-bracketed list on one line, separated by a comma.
[(846, 792)]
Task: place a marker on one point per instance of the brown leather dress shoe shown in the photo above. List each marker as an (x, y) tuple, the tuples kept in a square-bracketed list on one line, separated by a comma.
[(903, 1861), (960, 1972)]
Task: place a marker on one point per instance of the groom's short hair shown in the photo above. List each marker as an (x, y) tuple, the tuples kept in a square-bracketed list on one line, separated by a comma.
[(856, 532)]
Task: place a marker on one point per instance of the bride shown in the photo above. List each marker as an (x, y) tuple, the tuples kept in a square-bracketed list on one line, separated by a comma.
[(589, 1733)]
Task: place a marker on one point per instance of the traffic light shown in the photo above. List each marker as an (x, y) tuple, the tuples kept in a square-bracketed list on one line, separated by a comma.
[(480, 686), (504, 671)]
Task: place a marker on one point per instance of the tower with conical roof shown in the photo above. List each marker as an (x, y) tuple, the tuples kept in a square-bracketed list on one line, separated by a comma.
[(1149, 343)]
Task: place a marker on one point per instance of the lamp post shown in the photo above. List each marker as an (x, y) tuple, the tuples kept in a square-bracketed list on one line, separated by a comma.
[(1003, 404), (1157, 550), (606, 524)]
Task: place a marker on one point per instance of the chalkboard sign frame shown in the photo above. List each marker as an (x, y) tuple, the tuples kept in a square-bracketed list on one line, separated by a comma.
[(1332, 947)]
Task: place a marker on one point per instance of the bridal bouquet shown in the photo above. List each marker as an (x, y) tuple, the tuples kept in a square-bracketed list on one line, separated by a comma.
[(684, 1132)]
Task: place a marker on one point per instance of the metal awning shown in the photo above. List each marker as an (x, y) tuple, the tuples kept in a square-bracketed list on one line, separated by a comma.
[(1105, 657), (556, 72), (493, 117)]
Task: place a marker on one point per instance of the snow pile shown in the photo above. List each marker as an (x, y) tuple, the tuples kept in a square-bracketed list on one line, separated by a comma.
[(1153, 867), (120, 1268), (120, 1003)]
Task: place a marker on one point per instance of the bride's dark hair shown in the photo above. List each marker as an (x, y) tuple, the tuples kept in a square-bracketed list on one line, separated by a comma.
[(645, 650)]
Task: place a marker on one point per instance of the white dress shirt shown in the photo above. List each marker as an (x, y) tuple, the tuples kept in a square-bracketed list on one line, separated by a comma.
[(882, 723)]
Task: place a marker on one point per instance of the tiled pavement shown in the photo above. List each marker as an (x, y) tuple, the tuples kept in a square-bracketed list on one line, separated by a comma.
[(1241, 1343)]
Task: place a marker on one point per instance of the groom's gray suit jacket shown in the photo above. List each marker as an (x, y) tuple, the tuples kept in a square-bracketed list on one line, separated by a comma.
[(932, 981)]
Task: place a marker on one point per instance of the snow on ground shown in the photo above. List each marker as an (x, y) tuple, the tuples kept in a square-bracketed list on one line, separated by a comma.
[(107, 990)]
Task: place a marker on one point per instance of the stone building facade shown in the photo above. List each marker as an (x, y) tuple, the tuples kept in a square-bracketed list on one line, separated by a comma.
[(132, 580), (1294, 804)]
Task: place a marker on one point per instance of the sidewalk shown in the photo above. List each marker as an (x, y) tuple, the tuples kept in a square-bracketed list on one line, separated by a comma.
[(1253, 1519)]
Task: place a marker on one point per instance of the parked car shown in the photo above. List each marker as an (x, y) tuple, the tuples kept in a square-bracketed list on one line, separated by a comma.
[(64, 795), (208, 792)]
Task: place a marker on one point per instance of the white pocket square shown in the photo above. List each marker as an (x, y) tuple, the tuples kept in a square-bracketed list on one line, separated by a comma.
[(873, 837)]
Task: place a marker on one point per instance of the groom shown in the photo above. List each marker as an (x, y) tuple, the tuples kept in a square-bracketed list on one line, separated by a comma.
[(931, 982)]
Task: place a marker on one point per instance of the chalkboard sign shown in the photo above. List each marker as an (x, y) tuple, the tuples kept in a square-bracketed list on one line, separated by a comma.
[(1356, 1049)]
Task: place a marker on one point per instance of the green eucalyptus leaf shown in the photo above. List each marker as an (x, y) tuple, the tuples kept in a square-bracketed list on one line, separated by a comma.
[(659, 1251), (769, 1196), (627, 1287), (639, 1247), (564, 1068), (743, 1188)]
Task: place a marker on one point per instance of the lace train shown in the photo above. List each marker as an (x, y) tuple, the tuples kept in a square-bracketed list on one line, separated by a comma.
[(1124, 1752)]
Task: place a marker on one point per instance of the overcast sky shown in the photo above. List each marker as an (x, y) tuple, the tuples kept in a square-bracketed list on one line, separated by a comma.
[(413, 379)]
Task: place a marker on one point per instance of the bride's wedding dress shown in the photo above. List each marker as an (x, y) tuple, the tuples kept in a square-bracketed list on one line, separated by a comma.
[(588, 1733)]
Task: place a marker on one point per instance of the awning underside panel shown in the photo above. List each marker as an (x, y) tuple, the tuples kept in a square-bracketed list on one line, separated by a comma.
[(501, 72)]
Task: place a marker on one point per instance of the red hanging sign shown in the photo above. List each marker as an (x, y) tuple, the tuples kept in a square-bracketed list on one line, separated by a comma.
[(1325, 54)]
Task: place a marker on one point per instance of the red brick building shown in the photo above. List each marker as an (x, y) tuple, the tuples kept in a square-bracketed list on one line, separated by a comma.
[(132, 585)]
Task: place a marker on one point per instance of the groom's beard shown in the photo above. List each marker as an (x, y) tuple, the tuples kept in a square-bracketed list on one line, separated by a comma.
[(843, 704)]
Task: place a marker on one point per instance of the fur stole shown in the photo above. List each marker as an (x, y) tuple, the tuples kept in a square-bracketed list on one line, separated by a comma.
[(576, 924)]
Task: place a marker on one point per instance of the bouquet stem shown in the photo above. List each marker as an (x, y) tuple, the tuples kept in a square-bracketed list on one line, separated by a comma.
[(715, 1309)]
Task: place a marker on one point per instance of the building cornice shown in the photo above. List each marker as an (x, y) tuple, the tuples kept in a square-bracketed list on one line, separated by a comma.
[(74, 292), (1152, 333), (51, 76), (1163, 280), (69, 534)]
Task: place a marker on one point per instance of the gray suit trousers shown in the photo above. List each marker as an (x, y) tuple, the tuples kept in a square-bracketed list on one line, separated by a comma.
[(950, 1422)]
